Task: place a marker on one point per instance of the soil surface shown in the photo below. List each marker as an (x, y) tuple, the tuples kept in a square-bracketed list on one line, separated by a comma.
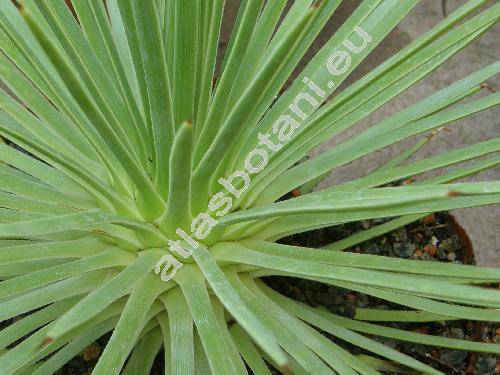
[(436, 238)]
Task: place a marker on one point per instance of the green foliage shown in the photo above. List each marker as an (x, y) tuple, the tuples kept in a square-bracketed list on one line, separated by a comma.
[(118, 135)]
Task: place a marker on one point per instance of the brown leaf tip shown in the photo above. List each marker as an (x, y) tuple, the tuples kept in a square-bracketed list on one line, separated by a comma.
[(317, 4), (285, 369), (20, 8), (47, 340), (454, 194), (484, 85)]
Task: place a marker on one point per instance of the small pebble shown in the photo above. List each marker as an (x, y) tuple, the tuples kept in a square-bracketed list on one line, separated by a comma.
[(371, 249), (323, 298), (433, 250), (446, 245), (453, 357), (397, 247), (350, 310), (401, 234), (428, 219), (408, 250), (457, 333), (310, 297), (361, 300), (441, 254), (350, 297), (386, 249), (485, 365), (91, 352)]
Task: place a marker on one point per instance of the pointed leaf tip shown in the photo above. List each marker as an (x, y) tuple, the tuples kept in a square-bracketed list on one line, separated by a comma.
[(286, 369), (485, 85), (47, 340), (317, 4)]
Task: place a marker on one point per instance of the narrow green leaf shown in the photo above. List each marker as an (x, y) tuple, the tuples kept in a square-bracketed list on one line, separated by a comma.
[(33, 321), (327, 325), (215, 117), (105, 294), (143, 356), (363, 200), (249, 352), (181, 333), (236, 306), (54, 292), (129, 326), (375, 262), (147, 36), (432, 288), (281, 328), (217, 352), (186, 34), (178, 212)]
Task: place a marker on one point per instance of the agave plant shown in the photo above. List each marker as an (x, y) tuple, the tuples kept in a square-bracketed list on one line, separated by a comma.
[(140, 198)]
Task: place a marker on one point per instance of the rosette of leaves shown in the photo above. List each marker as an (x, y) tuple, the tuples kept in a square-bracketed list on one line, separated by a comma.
[(117, 136)]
